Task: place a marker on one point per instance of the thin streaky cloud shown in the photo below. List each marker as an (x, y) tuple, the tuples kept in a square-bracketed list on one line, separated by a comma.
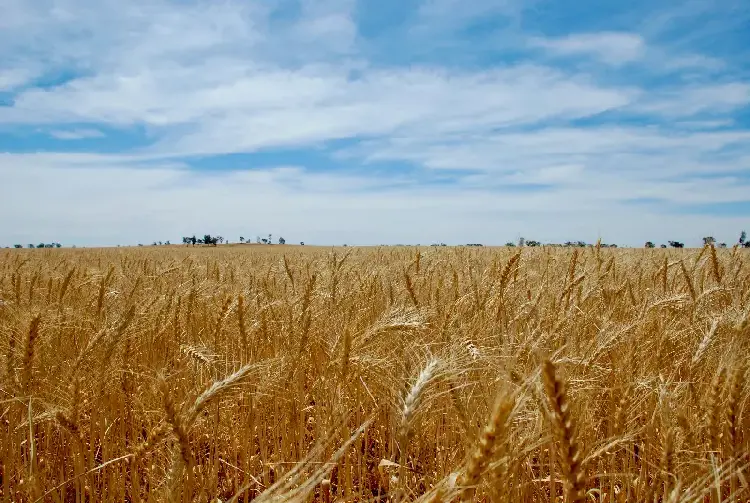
[(609, 47), (76, 134)]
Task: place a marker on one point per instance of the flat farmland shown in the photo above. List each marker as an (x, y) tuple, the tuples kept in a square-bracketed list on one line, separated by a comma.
[(289, 373)]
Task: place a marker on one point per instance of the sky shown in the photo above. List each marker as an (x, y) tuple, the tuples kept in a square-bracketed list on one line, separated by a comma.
[(374, 122)]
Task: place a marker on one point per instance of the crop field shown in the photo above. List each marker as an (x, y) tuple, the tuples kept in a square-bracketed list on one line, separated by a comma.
[(281, 373)]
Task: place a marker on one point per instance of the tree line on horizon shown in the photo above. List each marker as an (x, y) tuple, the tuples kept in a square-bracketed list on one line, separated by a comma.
[(40, 245), (211, 240), (742, 242), (208, 239)]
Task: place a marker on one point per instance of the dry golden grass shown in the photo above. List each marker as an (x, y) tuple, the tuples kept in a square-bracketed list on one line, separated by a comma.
[(398, 374)]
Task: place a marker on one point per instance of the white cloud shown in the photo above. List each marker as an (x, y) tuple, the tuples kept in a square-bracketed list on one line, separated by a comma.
[(76, 134), (648, 152), (686, 102), (671, 61), (204, 78), (705, 124), (127, 204), (229, 107), (610, 47), (12, 78), (398, 103), (438, 15)]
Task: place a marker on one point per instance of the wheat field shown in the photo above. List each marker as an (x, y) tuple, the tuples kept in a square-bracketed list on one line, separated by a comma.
[(374, 374)]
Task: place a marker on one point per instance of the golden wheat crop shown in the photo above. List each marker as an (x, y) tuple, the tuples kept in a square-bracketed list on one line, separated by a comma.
[(363, 374)]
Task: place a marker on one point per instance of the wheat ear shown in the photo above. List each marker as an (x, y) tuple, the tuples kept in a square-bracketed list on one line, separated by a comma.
[(66, 283), (688, 281), (411, 403), (563, 428), (241, 323), (715, 268), (153, 438), (713, 419), (734, 397), (182, 460), (71, 426), (414, 398), (485, 445), (28, 355), (10, 366), (213, 391), (509, 267)]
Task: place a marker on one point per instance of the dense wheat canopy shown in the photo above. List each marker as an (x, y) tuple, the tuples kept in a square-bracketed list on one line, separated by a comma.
[(401, 374)]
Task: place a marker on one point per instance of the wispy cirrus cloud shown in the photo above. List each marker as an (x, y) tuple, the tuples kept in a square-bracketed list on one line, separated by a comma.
[(15, 77), (609, 47), (334, 113), (76, 134), (683, 101)]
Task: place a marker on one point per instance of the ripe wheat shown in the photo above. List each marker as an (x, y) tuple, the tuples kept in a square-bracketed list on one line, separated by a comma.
[(309, 374)]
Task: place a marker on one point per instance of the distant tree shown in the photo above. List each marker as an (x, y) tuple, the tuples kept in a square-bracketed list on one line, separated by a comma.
[(264, 241), (747, 244), (510, 244), (722, 245), (743, 238), (220, 239), (167, 243), (242, 239), (40, 245), (579, 244), (282, 241), (676, 244), (302, 243), (17, 246), (58, 245), (663, 246), (531, 242), (270, 239), (30, 246), (649, 244), (708, 240)]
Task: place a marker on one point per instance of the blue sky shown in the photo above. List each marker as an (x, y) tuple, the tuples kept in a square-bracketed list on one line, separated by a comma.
[(363, 122)]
